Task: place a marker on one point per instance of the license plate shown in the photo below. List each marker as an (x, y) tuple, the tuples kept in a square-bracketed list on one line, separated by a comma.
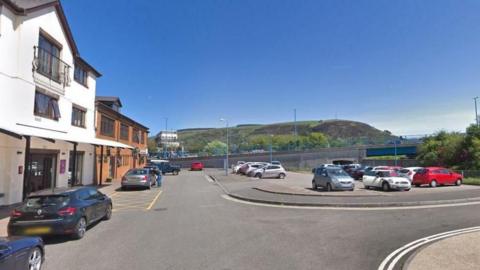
[(37, 230)]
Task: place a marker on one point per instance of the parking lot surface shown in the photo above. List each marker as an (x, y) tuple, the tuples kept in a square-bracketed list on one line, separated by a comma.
[(191, 226)]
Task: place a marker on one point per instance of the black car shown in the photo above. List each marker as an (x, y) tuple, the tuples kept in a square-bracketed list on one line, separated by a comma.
[(63, 211), (20, 253), (166, 167)]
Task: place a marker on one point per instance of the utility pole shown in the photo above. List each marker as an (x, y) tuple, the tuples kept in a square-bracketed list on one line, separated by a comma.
[(271, 142), (476, 112), (226, 154), (295, 127)]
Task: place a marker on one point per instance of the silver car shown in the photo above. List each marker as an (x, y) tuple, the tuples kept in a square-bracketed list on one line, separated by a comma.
[(138, 178), (270, 171), (332, 179)]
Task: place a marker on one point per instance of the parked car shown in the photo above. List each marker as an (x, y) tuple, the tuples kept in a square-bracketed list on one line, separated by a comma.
[(409, 172), (358, 173), (243, 169), (237, 166), (276, 162), (196, 166), (434, 176), (253, 167), (330, 179), (62, 211), (386, 180), (21, 253), (270, 171), (143, 177), (165, 166)]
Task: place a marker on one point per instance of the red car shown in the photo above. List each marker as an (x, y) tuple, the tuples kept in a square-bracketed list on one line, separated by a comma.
[(196, 166), (435, 176)]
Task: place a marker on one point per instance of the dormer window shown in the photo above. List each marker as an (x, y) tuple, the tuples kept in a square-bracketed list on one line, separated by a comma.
[(80, 75)]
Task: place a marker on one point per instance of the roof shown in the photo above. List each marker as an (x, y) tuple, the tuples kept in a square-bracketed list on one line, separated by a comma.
[(24, 7), (109, 99)]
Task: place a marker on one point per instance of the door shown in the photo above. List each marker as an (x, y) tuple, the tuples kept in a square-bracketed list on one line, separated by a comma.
[(90, 209), (112, 166), (78, 169), (42, 172), (98, 204)]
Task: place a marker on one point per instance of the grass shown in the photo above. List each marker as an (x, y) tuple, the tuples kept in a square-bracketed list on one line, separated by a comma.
[(472, 181)]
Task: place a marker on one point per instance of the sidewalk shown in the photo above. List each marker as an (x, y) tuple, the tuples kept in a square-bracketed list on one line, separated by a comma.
[(460, 252), (5, 211)]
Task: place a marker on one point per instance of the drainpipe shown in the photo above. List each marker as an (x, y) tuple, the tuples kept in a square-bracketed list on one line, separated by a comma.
[(26, 175)]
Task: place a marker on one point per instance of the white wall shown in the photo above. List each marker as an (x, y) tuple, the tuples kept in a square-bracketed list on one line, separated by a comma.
[(18, 36)]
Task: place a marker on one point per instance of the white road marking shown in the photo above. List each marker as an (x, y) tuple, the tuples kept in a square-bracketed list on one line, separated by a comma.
[(350, 208), (208, 178), (397, 255)]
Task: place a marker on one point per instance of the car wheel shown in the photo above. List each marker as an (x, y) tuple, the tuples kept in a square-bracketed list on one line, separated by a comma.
[(35, 259), (417, 185), (367, 187), (175, 172), (433, 183), (407, 189), (281, 176), (458, 182), (314, 185), (258, 175), (123, 188), (108, 212), (329, 187), (385, 186), (80, 229)]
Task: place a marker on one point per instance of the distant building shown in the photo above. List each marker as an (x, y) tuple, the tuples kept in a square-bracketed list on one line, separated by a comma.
[(167, 140)]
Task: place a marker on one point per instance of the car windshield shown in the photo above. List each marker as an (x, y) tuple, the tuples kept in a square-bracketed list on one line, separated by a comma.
[(46, 201), (337, 173)]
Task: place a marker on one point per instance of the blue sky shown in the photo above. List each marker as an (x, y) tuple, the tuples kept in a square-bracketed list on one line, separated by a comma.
[(408, 66)]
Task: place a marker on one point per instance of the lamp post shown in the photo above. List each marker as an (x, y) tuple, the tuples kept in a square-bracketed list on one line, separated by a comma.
[(226, 154), (271, 142)]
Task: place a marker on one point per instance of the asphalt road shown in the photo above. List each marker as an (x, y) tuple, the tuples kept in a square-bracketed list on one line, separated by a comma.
[(191, 226)]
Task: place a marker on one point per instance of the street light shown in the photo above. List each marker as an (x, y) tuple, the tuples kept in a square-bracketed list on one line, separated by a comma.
[(476, 113), (271, 142), (226, 154)]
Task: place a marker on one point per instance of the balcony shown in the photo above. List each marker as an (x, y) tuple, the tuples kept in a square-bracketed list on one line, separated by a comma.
[(55, 73)]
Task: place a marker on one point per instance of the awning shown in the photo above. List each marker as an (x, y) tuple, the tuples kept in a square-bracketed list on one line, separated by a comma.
[(44, 133)]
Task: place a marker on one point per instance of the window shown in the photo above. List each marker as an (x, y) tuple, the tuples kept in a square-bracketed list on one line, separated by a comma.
[(80, 75), (136, 136), (78, 117), (124, 132), (107, 126), (48, 57), (142, 137), (46, 106)]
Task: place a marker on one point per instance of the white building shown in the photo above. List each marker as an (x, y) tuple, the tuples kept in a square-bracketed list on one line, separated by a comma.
[(167, 140), (47, 102)]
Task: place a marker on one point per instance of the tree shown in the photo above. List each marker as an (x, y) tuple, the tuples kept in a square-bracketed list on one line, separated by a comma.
[(215, 148), (152, 145), (442, 149)]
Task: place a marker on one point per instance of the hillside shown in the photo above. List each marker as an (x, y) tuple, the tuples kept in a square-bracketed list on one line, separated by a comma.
[(246, 137)]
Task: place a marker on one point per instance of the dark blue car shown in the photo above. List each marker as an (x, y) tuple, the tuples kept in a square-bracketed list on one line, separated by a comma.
[(63, 211), (21, 253)]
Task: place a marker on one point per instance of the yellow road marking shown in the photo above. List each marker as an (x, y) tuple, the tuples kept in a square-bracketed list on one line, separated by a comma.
[(154, 200)]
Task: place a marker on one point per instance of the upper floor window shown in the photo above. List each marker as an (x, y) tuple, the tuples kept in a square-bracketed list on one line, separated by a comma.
[(124, 132), (107, 126), (48, 59), (78, 117), (136, 136), (80, 75), (46, 106), (142, 137)]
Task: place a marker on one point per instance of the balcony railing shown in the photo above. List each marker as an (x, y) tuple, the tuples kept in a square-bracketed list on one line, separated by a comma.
[(51, 66)]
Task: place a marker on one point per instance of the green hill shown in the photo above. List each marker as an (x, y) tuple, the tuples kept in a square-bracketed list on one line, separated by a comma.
[(253, 136)]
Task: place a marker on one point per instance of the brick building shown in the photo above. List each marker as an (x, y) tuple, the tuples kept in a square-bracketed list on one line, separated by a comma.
[(111, 124)]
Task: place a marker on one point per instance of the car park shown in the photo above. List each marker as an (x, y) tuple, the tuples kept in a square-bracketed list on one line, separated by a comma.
[(330, 179), (142, 177), (409, 172), (62, 211), (386, 180), (270, 171), (21, 253), (196, 166), (434, 176)]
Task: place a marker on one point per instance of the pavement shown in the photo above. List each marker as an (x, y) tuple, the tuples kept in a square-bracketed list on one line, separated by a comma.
[(295, 190), (455, 253), (190, 225)]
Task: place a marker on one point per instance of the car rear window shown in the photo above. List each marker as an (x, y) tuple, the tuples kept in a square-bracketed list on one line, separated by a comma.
[(404, 171), (46, 201), (137, 172)]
